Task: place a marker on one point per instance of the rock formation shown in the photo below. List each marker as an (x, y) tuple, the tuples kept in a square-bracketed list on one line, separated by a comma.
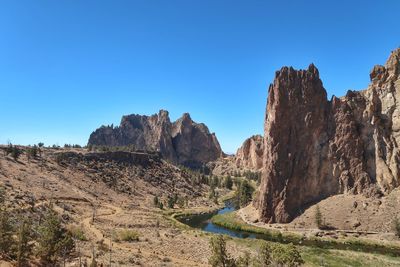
[(250, 154), (314, 148), (182, 142)]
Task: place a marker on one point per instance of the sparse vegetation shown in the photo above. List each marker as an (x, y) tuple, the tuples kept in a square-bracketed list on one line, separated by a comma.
[(219, 255), (77, 232), (53, 240), (14, 151), (125, 235), (32, 152), (24, 245), (396, 226), (6, 233)]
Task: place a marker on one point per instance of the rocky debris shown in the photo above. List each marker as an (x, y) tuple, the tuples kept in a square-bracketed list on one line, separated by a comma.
[(314, 148), (181, 142), (250, 154)]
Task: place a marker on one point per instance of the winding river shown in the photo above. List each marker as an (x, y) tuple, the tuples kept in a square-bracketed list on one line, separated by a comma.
[(203, 222)]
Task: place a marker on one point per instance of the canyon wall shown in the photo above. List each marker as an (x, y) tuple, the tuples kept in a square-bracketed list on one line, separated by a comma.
[(314, 148)]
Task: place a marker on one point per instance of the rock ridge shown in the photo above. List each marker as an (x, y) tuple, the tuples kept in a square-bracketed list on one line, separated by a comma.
[(315, 148), (182, 142)]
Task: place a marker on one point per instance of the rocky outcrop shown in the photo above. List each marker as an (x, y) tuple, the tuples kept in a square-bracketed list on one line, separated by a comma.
[(250, 154), (314, 148), (193, 142), (181, 142)]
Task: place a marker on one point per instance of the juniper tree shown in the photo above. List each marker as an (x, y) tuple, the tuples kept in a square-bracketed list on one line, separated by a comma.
[(396, 226), (244, 193), (318, 217), (24, 246), (53, 240), (219, 255), (6, 233)]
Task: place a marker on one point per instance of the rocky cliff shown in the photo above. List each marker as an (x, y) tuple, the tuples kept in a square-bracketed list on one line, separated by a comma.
[(250, 154), (314, 148), (182, 142)]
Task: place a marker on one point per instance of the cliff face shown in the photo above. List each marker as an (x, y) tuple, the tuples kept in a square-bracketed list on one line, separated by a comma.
[(183, 142), (193, 142), (314, 148), (250, 154)]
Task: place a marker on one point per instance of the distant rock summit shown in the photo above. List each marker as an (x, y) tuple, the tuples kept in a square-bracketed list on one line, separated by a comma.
[(250, 154), (181, 142), (314, 148)]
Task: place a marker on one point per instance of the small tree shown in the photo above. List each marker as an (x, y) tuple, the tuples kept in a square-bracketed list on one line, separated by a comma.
[(24, 245), (6, 233), (181, 202), (54, 241), (228, 183), (3, 197), (219, 255), (32, 152), (14, 151), (396, 226), (156, 201), (171, 202), (244, 193), (265, 255), (318, 217)]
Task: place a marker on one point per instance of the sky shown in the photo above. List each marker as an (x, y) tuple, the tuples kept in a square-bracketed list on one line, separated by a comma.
[(68, 67)]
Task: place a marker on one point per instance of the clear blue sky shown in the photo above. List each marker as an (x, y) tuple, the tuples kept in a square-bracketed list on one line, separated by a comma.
[(67, 67)]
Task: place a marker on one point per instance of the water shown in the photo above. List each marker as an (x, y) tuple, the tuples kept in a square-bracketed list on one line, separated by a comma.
[(203, 222)]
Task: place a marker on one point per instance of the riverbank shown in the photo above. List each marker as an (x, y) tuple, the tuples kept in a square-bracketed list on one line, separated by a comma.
[(234, 222)]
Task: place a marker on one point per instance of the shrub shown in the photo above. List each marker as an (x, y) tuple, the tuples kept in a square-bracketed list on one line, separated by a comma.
[(77, 232), (32, 152), (24, 246), (156, 201), (318, 217), (219, 255), (265, 254), (14, 151), (126, 235), (286, 255), (245, 260), (53, 240), (3, 196), (6, 233), (396, 226)]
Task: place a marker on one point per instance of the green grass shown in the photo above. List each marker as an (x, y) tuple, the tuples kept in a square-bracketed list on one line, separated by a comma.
[(339, 258), (316, 257), (230, 221)]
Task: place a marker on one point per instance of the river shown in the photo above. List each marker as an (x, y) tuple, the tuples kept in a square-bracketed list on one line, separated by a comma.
[(203, 222)]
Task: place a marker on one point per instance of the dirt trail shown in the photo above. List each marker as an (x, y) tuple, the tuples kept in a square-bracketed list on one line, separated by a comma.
[(116, 211)]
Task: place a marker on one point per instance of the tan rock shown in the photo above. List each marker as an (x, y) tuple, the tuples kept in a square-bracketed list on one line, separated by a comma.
[(250, 154)]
